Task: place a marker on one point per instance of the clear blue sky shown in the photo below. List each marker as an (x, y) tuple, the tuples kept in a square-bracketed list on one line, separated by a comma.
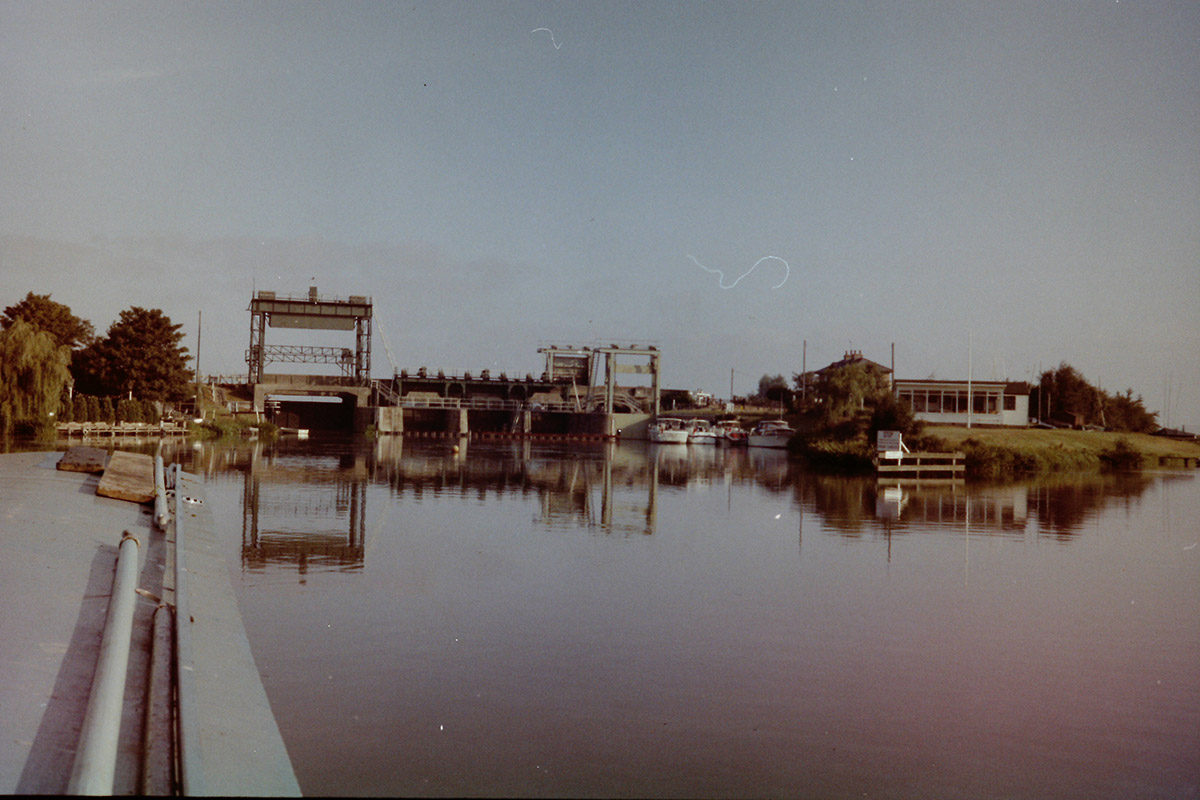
[(1024, 173)]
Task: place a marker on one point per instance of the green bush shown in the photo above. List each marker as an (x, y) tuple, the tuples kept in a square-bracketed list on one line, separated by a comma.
[(824, 452), (234, 427), (1120, 456), (991, 461)]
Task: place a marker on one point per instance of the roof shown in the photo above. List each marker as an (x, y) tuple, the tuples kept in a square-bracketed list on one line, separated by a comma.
[(854, 357), (1010, 387)]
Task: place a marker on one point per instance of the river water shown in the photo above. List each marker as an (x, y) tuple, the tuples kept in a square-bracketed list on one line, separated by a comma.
[(580, 619)]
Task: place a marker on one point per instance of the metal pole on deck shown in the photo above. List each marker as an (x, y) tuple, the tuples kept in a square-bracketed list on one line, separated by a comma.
[(96, 760)]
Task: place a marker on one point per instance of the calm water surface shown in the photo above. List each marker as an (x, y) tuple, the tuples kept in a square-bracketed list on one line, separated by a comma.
[(579, 620)]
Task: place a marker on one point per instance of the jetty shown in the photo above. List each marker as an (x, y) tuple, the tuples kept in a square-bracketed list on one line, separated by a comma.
[(125, 667)]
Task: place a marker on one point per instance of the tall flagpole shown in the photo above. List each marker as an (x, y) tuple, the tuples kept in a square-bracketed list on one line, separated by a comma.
[(970, 400)]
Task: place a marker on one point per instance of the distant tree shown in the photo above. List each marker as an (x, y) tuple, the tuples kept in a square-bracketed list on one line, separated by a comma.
[(1124, 412), (140, 354), (34, 368), (107, 412), (1064, 391), (53, 318), (892, 414), (93, 409), (80, 412), (769, 383), (66, 409), (150, 412), (844, 390)]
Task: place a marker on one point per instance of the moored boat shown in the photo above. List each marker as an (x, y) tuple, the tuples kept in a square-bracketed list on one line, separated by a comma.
[(700, 432), (771, 433), (668, 430), (730, 432)]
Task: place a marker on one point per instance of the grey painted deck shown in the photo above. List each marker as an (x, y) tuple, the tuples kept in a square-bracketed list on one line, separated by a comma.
[(58, 546)]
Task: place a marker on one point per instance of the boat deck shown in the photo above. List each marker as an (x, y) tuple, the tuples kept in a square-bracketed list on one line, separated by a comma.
[(60, 542)]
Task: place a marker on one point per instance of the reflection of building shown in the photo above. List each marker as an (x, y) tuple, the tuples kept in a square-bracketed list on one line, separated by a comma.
[(296, 512), (948, 505), (948, 402)]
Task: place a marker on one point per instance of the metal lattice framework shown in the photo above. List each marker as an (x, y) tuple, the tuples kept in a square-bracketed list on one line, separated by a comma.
[(303, 354), (316, 313)]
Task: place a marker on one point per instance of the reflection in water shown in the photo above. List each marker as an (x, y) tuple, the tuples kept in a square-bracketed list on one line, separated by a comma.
[(589, 619), (304, 503)]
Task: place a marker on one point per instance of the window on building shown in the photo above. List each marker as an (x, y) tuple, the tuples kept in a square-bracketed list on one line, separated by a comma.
[(1010, 402)]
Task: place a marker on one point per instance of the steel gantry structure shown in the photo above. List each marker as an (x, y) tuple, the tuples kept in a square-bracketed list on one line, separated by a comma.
[(316, 313)]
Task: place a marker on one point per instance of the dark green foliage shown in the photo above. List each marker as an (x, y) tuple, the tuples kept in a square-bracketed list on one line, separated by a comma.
[(108, 413), (1063, 391), (1124, 412), (129, 410), (33, 374), (141, 354), (53, 318), (93, 409), (891, 414), (1121, 456), (843, 391), (150, 412), (773, 390), (80, 411), (837, 455), (66, 409)]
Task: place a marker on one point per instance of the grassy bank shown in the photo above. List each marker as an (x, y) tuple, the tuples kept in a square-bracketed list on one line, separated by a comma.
[(999, 452)]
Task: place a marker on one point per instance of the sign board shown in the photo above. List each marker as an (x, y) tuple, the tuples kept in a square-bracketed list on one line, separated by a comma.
[(312, 322), (888, 440)]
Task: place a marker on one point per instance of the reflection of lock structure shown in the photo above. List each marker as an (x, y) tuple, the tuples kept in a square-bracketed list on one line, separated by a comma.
[(288, 518)]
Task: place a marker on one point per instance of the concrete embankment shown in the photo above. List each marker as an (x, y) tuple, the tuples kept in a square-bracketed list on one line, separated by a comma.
[(60, 543)]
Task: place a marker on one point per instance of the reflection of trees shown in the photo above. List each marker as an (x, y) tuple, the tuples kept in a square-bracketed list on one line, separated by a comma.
[(845, 503), (1064, 504), (305, 502), (852, 507)]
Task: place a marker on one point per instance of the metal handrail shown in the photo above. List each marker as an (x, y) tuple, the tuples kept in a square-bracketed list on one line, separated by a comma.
[(96, 760)]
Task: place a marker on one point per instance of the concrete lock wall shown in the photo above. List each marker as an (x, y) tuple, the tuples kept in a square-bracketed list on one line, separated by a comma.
[(389, 419)]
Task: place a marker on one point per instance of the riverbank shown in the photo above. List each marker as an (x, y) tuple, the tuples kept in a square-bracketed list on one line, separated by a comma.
[(998, 452)]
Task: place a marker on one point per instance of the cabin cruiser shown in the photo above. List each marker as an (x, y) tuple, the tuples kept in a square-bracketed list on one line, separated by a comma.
[(771, 433), (730, 432), (700, 432), (668, 430)]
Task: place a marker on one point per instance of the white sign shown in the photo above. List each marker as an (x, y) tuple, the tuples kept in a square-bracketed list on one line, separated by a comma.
[(887, 440)]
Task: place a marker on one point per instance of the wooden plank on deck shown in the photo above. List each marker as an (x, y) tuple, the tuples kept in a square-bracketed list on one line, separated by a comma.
[(83, 459), (129, 476)]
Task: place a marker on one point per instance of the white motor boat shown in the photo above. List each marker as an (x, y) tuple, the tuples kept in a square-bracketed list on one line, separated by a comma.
[(668, 430), (730, 432), (771, 433), (700, 432)]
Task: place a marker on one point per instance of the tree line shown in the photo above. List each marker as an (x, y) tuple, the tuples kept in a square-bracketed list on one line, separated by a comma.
[(54, 366), (861, 388)]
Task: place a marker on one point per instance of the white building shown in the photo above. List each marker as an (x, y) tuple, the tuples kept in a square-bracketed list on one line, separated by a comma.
[(946, 403)]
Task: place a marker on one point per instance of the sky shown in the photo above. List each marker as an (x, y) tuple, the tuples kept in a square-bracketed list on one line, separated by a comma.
[(994, 188)]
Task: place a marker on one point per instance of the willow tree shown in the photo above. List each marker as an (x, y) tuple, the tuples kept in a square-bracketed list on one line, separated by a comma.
[(34, 368)]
